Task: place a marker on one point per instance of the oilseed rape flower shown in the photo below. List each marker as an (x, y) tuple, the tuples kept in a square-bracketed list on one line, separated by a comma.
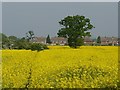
[(61, 67)]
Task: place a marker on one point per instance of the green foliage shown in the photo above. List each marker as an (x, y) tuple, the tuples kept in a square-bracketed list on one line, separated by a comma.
[(110, 44), (38, 47), (8, 42), (30, 35), (75, 42), (0, 40), (99, 40), (12, 42), (75, 28), (44, 46), (22, 44), (48, 40), (0, 37), (25, 44), (5, 41), (12, 38)]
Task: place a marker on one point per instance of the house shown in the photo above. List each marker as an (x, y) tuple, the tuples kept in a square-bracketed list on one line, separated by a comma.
[(55, 40), (40, 40), (109, 41), (88, 41), (58, 41)]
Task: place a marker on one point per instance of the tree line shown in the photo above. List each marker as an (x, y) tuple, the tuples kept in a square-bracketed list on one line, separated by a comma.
[(13, 42)]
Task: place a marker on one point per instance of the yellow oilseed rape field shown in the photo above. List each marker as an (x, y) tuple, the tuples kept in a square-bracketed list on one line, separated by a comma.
[(61, 67)]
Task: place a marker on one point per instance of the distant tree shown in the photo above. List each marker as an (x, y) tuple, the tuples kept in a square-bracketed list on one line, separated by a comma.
[(12, 38), (99, 40), (75, 28), (12, 41), (30, 35), (5, 41), (48, 40), (0, 37), (22, 44), (0, 40)]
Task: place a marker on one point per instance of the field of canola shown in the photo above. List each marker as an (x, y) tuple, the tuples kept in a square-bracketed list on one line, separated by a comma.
[(61, 67)]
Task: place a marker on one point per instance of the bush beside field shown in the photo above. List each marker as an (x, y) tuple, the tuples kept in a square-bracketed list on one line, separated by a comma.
[(61, 67)]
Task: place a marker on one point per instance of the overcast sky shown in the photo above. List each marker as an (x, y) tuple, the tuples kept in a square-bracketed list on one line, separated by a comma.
[(59, 0), (0, 17), (43, 18)]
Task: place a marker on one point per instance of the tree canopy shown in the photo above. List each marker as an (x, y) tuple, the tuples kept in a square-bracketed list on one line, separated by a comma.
[(30, 35), (75, 28)]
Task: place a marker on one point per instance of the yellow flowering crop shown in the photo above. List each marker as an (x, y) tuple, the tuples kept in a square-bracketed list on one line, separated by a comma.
[(61, 67)]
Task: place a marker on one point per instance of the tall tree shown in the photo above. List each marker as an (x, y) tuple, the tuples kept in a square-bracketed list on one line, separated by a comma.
[(99, 40), (30, 35), (75, 28), (48, 40)]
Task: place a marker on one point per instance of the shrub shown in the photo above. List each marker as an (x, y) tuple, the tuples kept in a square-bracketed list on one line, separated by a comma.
[(38, 47), (45, 46)]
